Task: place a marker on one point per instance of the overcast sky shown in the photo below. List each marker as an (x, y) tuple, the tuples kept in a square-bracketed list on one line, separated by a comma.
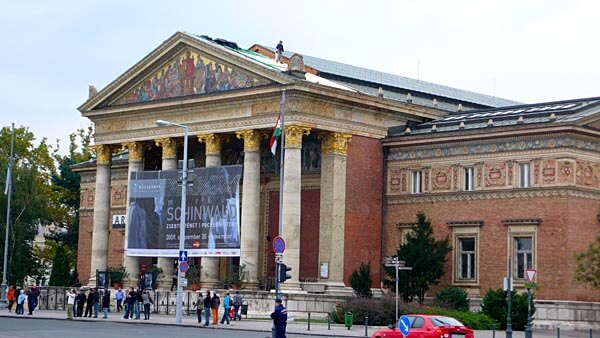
[(529, 51)]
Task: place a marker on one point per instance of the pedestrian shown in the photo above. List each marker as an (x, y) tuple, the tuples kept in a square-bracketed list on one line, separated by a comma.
[(20, 302), (10, 296), (96, 302), (89, 304), (279, 52), (105, 303), (138, 302), (199, 306), (174, 277), (214, 306), (207, 302), (279, 317), (129, 304), (71, 294), (226, 308), (237, 302), (146, 300), (119, 295), (80, 302), (32, 298)]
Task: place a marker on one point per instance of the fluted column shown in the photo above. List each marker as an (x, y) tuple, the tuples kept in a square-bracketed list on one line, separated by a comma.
[(136, 164), (101, 210), (210, 265), (334, 148), (169, 162), (250, 237), (291, 201)]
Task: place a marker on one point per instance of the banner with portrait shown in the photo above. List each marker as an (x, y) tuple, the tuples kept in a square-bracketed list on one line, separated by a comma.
[(212, 213)]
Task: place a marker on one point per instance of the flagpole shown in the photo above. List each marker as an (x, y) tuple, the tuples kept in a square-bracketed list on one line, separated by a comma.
[(281, 165), (4, 286)]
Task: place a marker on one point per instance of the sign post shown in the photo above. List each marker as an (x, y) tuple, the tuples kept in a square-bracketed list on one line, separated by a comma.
[(404, 325), (530, 278), (278, 249), (398, 265)]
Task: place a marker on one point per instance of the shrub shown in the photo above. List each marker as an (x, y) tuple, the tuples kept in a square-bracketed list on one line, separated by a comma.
[(474, 320), (495, 305), (361, 281), (453, 298)]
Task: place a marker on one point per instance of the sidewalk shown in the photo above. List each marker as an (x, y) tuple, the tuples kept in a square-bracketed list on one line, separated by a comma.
[(264, 325)]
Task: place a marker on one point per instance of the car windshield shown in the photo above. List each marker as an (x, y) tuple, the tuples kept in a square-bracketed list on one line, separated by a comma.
[(445, 321)]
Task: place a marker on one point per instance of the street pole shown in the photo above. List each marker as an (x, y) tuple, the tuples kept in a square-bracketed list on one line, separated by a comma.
[(509, 314), (8, 191), (182, 221), (280, 225), (397, 263), (528, 333)]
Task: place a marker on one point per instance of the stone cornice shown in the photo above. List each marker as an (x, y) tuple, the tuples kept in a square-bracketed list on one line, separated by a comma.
[(522, 221), (493, 195), (473, 223)]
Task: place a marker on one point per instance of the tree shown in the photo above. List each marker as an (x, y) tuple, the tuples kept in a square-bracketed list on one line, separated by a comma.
[(588, 265), (61, 272), (425, 256), (361, 280)]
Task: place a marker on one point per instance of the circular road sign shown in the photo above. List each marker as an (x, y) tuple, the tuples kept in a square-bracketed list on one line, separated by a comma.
[(278, 245), (183, 266), (404, 325)]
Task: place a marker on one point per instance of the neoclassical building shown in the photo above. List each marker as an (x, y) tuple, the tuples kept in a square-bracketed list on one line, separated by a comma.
[(364, 152)]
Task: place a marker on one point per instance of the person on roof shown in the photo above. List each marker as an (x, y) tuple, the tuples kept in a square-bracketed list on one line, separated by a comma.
[(279, 52)]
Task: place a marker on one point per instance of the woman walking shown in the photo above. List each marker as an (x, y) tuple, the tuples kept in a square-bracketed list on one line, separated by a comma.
[(146, 300)]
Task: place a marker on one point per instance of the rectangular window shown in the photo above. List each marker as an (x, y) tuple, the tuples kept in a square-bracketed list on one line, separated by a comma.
[(467, 258), (468, 179), (523, 259), (524, 175), (417, 183)]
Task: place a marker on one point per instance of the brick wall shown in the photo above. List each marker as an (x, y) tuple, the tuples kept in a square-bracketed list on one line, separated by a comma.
[(364, 176)]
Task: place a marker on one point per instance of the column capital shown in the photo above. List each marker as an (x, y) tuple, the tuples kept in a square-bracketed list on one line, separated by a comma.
[(251, 139), (293, 135), (136, 150), (334, 143), (103, 153), (213, 142), (169, 146)]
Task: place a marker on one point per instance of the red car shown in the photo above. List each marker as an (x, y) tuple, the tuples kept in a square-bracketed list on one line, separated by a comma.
[(429, 326)]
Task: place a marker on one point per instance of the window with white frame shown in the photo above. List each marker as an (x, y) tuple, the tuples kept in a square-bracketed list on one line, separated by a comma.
[(466, 258), (523, 255), (416, 182), (524, 175), (468, 178)]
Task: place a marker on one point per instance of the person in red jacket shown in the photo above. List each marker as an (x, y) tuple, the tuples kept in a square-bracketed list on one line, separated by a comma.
[(10, 296)]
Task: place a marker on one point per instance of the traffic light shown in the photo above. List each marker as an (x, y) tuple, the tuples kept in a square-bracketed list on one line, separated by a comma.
[(283, 276)]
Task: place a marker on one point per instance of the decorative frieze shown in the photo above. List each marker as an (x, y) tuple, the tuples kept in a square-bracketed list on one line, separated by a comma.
[(566, 172), (334, 143), (293, 136), (441, 179), (495, 175), (587, 174), (118, 196)]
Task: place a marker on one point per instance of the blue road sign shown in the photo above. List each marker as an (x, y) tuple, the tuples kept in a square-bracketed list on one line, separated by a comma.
[(404, 325), (183, 266), (278, 245), (183, 255)]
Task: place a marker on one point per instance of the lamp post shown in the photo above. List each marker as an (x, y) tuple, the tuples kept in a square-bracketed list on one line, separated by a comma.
[(180, 275), (8, 190)]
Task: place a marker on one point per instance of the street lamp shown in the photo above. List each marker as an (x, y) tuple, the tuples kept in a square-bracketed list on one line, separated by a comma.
[(180, 275), (8, 190)]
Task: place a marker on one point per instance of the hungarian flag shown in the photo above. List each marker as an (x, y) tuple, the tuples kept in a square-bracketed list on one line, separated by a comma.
[(276, 135)]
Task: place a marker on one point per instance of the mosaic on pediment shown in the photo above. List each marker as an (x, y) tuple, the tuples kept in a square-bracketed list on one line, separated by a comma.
[(566, 172), (548, 172), (118, 196), (441, 179), (475, 149), (190, 73), (587, 174), (495, 174)]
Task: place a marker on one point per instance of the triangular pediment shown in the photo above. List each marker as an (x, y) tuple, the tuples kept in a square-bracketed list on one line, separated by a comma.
[(183, 66)]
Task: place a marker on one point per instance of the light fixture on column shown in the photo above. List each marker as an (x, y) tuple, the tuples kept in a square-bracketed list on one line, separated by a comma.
[(180, 275)]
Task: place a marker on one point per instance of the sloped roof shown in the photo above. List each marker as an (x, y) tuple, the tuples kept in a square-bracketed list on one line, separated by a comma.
[(538, 113), (401, 82)]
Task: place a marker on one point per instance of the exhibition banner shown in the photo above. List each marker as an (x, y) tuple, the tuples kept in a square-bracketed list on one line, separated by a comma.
[(212, 213)]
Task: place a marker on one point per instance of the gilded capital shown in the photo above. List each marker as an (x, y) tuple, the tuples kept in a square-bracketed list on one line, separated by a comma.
[(103, 153), (136, 150), (334, 143), (168, 145), (213, 143), (293, 136), (251, 139)]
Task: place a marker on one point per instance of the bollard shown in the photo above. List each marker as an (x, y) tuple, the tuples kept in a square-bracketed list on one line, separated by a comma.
[(308, 321), (366, 326), (590, 333), (558, 332), (329, 324), (494, 330)]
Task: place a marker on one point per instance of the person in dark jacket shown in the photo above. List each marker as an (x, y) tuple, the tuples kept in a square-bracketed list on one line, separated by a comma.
[(279, 317), (131, 296), (33, 296), (214, 305), (207, 302), (80, 300), (279, 52), (96, 302), (89, 304), (105, 304)]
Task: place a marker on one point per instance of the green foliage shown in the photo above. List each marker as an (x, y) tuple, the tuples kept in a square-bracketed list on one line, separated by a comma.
[(453, 297), (116, 274), (361, 280), (495, 305), (60, 275), (473, 320), (237, 274), (588, 265), (193, 274), (425, 255)]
